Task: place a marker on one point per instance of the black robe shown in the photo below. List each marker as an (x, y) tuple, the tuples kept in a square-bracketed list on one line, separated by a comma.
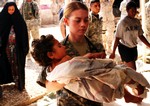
[(22, 45)]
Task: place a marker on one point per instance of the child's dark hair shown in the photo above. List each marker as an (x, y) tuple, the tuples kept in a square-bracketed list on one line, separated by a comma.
[(94, 1), (40, 48), (130, 5)]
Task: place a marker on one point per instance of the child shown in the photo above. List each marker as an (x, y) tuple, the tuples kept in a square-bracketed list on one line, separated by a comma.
[(128, 30), (94, 31), (89, 78), (47, 44)]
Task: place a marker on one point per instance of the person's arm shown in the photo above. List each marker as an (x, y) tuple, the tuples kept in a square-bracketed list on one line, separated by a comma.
[(112, 56), (53, 86), (95, 55), (144, 40)]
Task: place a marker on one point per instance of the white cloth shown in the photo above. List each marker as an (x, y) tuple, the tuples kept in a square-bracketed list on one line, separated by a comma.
[(99, 80)]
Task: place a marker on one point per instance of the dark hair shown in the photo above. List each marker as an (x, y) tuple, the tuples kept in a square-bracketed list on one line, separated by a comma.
[(93, 1), (40, 48), (130, 5)]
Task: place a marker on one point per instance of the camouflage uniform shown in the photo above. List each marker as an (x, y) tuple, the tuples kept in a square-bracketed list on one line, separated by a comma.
[(147, 19), (66, 97), (30, 12), (94, 31)]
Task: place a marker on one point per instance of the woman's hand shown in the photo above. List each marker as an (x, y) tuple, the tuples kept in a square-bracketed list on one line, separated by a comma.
[(53, 86)]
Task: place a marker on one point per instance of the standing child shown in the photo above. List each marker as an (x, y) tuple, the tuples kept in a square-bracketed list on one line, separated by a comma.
[(128, 30), (94, 31)]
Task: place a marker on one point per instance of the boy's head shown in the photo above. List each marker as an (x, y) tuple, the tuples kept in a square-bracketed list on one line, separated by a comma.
[(95, 6), (40, 48), (131, 9), (130, 5)]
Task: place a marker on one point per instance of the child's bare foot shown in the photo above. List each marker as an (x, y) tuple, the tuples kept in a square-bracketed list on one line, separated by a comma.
[(131, 98), (139, 90)]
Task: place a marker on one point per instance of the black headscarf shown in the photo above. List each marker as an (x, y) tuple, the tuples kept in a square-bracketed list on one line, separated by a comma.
[(20, 28)]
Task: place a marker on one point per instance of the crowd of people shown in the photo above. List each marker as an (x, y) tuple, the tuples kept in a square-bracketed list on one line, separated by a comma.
[(90, 35)]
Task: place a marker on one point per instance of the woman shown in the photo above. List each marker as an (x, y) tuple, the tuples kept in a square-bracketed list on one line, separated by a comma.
[(12, 25), (77, 44)]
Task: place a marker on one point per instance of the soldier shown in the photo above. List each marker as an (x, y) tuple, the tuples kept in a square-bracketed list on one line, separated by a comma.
[(147, 19), (94, 31), (30, 12)]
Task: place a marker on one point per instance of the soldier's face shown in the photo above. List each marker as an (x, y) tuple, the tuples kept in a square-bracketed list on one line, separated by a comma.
[(11, 10)]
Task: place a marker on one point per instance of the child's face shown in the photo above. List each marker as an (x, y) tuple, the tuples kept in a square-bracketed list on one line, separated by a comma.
[(95, 7), (59, 51), (11, 10), (77, 22), (132, 12)]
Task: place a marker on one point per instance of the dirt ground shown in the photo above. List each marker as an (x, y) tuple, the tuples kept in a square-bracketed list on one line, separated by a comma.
[(32, 92)]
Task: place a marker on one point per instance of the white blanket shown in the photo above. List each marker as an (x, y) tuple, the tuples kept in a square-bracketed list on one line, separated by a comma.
[(99, 80)]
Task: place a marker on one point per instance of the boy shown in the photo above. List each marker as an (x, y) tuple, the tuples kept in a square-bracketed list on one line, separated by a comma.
[(128, 30), (94, 31)]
